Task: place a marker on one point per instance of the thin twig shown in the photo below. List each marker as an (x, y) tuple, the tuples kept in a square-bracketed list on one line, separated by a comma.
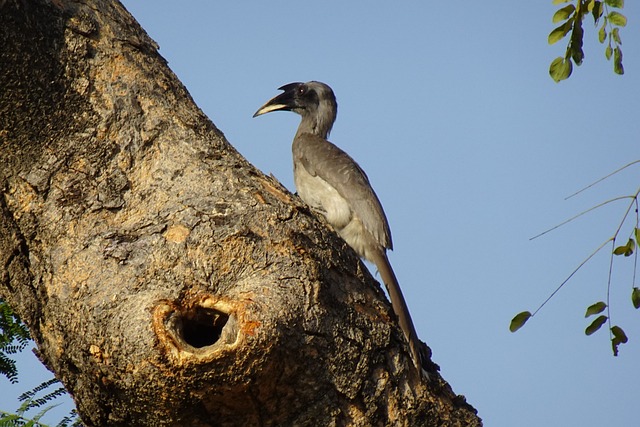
[(602, 179), (571, 275), (635, 257), (613, 246), (582, 213), (624, 217)]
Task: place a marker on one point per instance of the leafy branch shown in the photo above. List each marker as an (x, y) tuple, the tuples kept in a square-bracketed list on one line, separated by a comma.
[(41, 398), (617, 335), (14, 337), (573, 15)]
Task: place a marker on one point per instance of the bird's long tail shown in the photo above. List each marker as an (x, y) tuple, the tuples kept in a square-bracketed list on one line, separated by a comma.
[(400, 308)]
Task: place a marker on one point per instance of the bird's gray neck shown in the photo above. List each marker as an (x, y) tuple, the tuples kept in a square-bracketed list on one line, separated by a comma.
[(309, 125), (318, 122)]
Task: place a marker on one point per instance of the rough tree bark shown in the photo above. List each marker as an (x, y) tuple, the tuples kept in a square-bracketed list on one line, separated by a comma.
[(164, 279)]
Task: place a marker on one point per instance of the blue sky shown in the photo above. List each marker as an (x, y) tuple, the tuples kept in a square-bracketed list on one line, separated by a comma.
[(472, 149)]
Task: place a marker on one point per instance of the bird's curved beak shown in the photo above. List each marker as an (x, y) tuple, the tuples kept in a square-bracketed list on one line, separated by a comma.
[(285, 101)]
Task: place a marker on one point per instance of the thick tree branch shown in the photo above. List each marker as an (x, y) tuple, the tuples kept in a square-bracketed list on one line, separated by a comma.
[(165, 280)]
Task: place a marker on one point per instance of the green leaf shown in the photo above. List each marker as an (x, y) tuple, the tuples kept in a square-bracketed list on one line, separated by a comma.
[(575, 46), (558, 33), (620, 250), (619, 333), (564, 13), (614, 346), (615, 3), (519, 320), (559, 1), (615, 34), (635, 297), (596, 12), (608, 52), (560, 69), (577, 54), (636, 232), (617, 61), (595, 325), (595, 309), (602, 34), (627, 249), (619, 337), (617, 19)]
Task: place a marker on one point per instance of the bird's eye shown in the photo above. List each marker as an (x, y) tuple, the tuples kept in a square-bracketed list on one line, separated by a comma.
[(302, 90)]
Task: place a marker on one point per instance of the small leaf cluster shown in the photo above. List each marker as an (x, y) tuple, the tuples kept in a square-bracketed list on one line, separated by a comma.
[(613, 21), (617, 335), (571, 17), (19, 419), (31, 399), (629, 248), (14, 337), (37, 399)]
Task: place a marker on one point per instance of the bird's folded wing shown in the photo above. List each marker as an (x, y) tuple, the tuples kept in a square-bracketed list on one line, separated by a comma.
[(323, 159)]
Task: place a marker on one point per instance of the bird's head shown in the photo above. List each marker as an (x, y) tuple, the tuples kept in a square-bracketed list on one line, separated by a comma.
[(314, 101)]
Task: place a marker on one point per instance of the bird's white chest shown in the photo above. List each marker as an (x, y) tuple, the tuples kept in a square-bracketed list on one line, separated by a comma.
[(321, 196)]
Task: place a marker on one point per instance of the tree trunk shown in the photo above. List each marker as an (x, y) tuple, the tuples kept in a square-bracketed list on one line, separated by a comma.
[(164, 279)]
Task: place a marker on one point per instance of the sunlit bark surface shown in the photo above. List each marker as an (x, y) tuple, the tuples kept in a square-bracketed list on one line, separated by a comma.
[(165, 280)]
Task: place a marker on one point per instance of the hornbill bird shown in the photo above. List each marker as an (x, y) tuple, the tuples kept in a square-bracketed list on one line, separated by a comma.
[(332, 183)]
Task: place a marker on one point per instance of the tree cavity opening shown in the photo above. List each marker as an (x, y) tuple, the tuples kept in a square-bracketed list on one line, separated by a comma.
[(201, 327)]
